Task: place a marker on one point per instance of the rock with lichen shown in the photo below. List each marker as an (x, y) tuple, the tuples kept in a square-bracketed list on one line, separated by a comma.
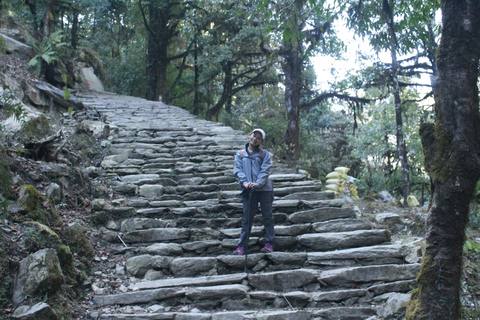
[(39, 273), (28, 197)]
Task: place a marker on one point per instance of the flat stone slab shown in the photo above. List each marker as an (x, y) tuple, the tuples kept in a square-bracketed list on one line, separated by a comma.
[(140, 179), (193, 316), (142, 223), (299, 192), (338, 295), (145, 316), (343, 240), (338, 203), (263, 315), (156, 235), (235, 232), (143, 296), (187, 281), (284, 315), (263, 295), (288, 258), (238, 262), (370, 253), (200, 246), (190, 267), (345, 313), (356, 275), (217, 292), (397, 286), (293, 230), (287, 177), (282, 280), (285, 204), (163, 249), (340, 225), (321, 214)]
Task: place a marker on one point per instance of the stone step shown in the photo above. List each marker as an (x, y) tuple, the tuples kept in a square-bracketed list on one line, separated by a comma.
[(301, 287), (321, 214), (171, 259), (287, 177), (298, 234), (380, 254), (284, 227), (291, 230), (338, 313), (179, 219), (358, 276), (342, 240)]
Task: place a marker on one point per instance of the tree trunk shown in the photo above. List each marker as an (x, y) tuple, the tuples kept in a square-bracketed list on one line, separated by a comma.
[(452, 158), (157, 53), (153, 54), (401, 148), (227, 92), (75, 28), (292, 68), (47, 21), (33, 10), (196, 107)]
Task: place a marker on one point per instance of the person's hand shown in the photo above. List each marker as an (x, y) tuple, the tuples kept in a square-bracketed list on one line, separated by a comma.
[(250, 185)]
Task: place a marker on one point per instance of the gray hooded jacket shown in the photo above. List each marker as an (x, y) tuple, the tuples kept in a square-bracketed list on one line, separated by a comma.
[(253, 167)]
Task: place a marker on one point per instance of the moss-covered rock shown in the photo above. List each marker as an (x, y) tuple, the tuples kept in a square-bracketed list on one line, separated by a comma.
[(28, 197), (39, 236), (65, 256), (75, 237), (38, 127)]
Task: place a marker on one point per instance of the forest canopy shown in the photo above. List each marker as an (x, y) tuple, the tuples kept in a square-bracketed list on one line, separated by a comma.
[(249, 64)]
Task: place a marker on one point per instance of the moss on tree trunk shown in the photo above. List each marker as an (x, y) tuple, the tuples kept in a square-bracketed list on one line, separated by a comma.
[(452, 158)]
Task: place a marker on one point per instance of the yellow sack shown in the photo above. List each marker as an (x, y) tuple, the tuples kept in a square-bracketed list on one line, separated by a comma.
[(334, 181), (331, 187), (341, 169), (333, 175), (412, 201)]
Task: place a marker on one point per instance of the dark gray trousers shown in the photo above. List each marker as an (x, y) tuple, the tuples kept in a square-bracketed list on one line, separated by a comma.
[(250, 205)]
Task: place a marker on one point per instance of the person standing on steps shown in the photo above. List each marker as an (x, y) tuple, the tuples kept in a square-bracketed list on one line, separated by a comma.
[(252, 166)]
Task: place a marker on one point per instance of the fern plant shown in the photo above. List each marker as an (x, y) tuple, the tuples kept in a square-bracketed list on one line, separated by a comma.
[(48, 50), (10, 105)]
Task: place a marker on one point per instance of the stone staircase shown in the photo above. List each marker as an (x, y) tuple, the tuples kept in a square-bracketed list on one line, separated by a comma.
[(176, 220)]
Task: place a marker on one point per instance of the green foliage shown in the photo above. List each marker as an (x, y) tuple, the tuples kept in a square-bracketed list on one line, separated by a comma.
[(5, 274), (470, 280), (474, 216), (48, 50), (324, 137), (11, 106), (368, 20), (3, 45), (471, 246), (260, 108), (66, 92), (5, 185), (127, 76), (375, 144)]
